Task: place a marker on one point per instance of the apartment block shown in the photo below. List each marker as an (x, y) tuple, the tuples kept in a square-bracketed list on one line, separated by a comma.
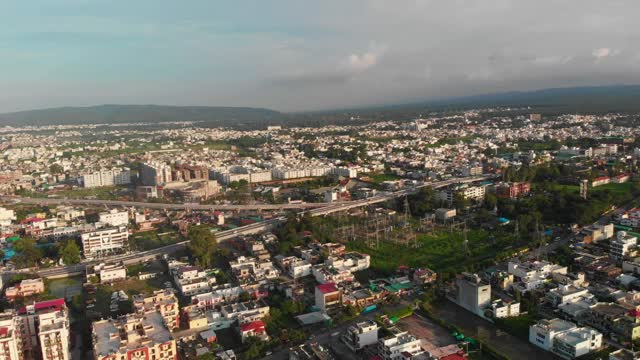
[(102, 242), (133, 336), (106, 178)]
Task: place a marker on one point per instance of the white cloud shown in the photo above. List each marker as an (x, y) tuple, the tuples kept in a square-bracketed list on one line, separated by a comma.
[(603, 53), (364, 61)]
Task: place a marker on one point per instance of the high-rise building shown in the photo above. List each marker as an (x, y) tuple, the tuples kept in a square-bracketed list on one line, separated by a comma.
[(106, 178), (473, 294), (153, 174), (36, 332), (133, 337)]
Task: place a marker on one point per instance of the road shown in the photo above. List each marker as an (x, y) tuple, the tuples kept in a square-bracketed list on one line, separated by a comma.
[(255, 228), (166, 206)]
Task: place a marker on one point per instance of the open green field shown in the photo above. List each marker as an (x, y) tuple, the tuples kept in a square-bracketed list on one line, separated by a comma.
[(441, 252), (150, 240)]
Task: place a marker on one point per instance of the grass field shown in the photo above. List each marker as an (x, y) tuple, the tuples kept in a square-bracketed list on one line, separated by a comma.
[(380, 178), (150, 240), (440, 252)]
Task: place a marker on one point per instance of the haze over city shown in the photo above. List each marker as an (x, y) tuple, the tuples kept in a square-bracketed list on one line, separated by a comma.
[(296, 56)]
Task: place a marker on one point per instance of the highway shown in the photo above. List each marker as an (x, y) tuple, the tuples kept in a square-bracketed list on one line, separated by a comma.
[(255, 228), (166, 206)]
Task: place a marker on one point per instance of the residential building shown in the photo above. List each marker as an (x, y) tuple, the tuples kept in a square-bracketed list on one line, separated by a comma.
[(10, 341), (327, 296), (503, 309), (255, 328), (597, 232), (513, 190), (114, 217), (192, 280), (100, 242), (106, 178), (543, 333), (361, 334), (26, 287), (624, 354), (472, 170), (44, 331), (473, 294), (6, 216), (577, 342), (133, 336), (164, 302), (622, 245), (565, 294), (399, 346), (154, 173), (108, 273)]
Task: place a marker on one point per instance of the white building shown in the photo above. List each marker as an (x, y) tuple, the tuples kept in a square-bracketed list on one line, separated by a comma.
[(192, 280), (106, 178), (109, 273), (100, 242), (361, 334), (473, 294), (68, 213), (544, 332), (502, 309), (6, 216), (577, 342), (114, 217), (394, 347), (622, 244), (565, 294), (299, 268)]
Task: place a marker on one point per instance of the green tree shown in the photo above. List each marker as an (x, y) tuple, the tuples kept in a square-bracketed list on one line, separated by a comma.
[(202, 244), (56, 169), (28, 253), (70, 253)]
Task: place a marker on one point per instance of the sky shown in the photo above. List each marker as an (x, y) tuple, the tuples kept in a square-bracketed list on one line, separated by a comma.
[(299, 55)]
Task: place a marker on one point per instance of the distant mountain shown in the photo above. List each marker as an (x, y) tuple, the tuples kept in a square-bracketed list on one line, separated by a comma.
[(595, 99), (582, 99), (112, 114)]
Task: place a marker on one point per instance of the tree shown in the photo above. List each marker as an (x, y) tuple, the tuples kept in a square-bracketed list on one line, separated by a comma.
[(28, 252), (70, 253), (56, 169), (202, 244)]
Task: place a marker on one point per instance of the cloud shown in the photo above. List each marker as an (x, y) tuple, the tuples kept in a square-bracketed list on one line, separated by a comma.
[(602, 53), (361, 62)]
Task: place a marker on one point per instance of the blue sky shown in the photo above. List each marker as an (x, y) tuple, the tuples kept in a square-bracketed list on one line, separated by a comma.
[(296, 55)]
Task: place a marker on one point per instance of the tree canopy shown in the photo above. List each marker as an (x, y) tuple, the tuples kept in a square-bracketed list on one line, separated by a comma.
[(202, 245)]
